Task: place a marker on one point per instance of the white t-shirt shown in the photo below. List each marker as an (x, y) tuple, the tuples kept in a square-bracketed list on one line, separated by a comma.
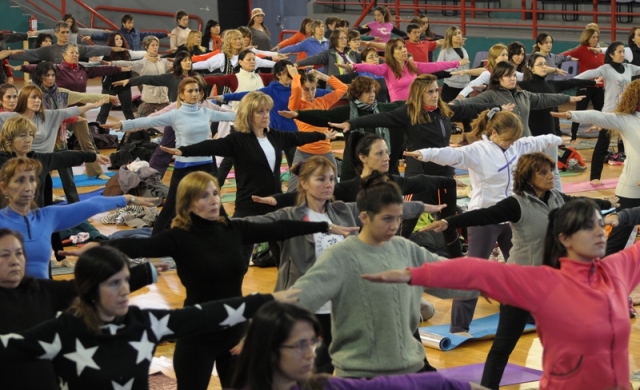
[(322, 242), (268, 150)]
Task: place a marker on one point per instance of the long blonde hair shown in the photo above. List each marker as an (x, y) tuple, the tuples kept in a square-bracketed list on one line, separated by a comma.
[(416, 112), (193, 42), (494, 53), (189, 190)]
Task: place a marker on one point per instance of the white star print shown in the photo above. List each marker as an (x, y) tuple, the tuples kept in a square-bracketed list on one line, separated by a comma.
[(126, 386), (113, 328), (144, 348), (197, 306), (51, 350), (6, 337), (63, 384), (83, 357), (160, 327), (234, 316)]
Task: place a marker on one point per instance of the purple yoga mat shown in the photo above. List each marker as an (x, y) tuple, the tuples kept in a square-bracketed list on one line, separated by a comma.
[(513, 374)]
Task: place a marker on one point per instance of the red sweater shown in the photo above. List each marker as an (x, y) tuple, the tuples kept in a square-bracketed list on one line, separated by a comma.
[(581, 311), (75, 78), (420, 51), (587, 59)]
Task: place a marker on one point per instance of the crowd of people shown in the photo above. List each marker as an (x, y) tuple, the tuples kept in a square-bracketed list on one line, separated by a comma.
[(351, 273)]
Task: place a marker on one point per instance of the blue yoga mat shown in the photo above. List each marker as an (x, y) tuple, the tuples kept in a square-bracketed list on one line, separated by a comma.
[(460, 171), (438, 336), (83, 180)]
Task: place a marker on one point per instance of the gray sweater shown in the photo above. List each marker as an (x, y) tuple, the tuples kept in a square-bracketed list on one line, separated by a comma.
[(450, 54), (524, 101), (298, 254), (372, 323), (614, 83), (44, 139)]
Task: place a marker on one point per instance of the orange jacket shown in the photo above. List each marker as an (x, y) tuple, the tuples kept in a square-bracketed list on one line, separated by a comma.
[(322, 103)]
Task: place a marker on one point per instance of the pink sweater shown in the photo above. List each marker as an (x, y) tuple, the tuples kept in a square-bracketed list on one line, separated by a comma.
[(399, 88), (581, 311)]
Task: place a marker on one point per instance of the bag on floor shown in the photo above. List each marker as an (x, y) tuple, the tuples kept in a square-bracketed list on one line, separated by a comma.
[(130, 151), (262, 256)]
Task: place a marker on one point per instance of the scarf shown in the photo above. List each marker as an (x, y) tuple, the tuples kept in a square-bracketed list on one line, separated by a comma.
[(228, 69), (72, 66), (356, 105), (429, 108), (618, 67), (52, 99)]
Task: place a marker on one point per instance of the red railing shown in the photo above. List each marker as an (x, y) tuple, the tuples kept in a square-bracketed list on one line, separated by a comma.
[(137, 11), (462, 8)]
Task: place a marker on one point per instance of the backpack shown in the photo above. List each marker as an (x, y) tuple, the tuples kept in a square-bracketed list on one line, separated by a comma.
[(128, 152), (570, 159), (100, 135)]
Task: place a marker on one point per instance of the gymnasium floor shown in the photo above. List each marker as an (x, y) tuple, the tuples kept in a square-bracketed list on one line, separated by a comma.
[(169, 293)]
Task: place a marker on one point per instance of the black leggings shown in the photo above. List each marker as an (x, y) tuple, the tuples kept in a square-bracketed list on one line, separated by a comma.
[(600, 152), (125, 104), (323, 359), (510, 327), (593, 95), (194, 357)]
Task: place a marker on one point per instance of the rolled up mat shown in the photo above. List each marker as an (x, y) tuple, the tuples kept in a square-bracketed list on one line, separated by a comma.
[(438, 336)]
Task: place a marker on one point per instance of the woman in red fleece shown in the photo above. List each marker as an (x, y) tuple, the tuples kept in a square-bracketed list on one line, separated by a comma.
[(580, 309)]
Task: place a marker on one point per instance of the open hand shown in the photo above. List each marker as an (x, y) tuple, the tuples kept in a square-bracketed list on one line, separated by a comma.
[(103, 159), (288, 114), (415, 154), (344, 126), (434, 208), (561, 114), (174, 151), (393, 276), (331, 134), (508, 107), (287, 296), (343, 230), (120, 83), (436, 226), (612, 219), (113, 99), (270, 200), (574, 99), (464, 61), (117, 126)]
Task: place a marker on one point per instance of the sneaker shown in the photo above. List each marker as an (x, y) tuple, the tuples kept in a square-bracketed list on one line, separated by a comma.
[(426, 310), (617, 159), (574, 165)]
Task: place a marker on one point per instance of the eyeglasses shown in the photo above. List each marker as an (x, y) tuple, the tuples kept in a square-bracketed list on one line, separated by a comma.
[(302, 346)]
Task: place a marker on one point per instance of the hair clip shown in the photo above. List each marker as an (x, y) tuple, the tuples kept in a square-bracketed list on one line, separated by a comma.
[(492, 112)]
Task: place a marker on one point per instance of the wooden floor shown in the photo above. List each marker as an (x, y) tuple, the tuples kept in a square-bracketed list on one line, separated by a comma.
[(168, 292)]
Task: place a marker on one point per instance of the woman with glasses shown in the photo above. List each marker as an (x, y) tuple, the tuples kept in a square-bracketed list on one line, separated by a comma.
[(280, 349)]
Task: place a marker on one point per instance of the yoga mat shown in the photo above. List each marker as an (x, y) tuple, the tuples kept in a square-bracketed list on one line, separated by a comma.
[(61, 270), (83, 180), (438, 336), (571, 188), (232, 183), (571, 173), (231, 197), (513, 374), (460, 171), (85, 196), (566, 129)]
